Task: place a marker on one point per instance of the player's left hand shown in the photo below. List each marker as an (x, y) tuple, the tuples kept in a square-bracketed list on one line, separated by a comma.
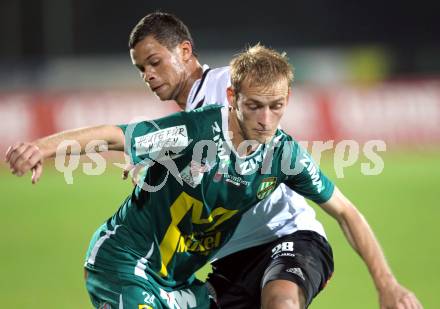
[(395, 296)]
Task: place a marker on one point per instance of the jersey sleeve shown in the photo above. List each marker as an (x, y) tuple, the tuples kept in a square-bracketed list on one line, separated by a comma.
[(154, 139), (306, 178)]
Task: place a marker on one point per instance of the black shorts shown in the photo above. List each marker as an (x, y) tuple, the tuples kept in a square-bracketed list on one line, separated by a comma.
[(304, 257)]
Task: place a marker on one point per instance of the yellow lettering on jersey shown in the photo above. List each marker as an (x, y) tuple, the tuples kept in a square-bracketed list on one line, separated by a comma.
[(173, 240), (201, 243)]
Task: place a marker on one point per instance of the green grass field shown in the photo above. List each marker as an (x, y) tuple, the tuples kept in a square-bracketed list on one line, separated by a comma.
[(46, 229)]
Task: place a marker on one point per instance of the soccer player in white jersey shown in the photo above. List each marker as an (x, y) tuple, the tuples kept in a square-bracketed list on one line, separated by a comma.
[(162, 48)]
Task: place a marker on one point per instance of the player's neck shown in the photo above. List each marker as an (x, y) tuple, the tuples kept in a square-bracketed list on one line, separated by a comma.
[(195, 72)]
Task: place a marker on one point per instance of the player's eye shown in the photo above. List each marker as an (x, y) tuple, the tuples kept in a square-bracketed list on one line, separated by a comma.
[(155, 62), (277, 106), (252, 107)]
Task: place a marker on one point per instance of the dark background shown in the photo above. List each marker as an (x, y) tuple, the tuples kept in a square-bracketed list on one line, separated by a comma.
[(410, 31)]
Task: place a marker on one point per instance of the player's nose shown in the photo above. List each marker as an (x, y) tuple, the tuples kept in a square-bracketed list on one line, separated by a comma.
[(264, 117), (148, 75)]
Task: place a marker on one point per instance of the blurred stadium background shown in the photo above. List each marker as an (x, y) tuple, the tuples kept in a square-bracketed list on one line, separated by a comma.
[(364, 71)]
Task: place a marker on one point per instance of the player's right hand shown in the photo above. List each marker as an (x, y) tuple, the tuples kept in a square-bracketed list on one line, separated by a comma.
[(395, 296), (23, 157)]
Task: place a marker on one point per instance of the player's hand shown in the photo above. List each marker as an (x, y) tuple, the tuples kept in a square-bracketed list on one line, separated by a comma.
[(395, 296), (23, 157), (128, 167), (135, 171)]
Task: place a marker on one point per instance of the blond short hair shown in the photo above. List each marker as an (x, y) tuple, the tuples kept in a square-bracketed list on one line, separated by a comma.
[(261, 66)]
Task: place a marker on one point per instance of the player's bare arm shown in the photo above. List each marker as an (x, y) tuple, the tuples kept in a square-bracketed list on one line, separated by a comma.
[(25, 156), (362, 239)]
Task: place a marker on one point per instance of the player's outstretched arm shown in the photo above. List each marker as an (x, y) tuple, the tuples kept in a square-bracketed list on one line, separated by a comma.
[(25, 156), (359, 234)]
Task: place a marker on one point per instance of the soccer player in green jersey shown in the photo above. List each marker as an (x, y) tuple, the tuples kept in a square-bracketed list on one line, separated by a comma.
[(246, 263), (146, 254)]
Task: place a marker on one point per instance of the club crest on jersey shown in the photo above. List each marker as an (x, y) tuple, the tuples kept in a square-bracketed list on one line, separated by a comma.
[(266, 187)]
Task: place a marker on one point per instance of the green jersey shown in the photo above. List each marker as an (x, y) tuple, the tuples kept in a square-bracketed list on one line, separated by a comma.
[(195, 190)]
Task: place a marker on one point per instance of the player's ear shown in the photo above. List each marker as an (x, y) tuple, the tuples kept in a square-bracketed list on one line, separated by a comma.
[(230, 94), (186, 50)]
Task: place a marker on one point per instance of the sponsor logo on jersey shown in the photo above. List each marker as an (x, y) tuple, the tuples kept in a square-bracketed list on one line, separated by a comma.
[(236, 180), (223, 152), (296, 271), (173, 137), (266, 187), (201, 242), (144, 306), (187, 211), (249, 166), (313, 171)]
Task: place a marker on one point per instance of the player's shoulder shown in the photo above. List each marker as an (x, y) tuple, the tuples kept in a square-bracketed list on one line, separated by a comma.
[(207, 111), (222, 73), (283, 136), (203, 119), (210, 88), (206, 114), (286, 141), (218, 79)]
